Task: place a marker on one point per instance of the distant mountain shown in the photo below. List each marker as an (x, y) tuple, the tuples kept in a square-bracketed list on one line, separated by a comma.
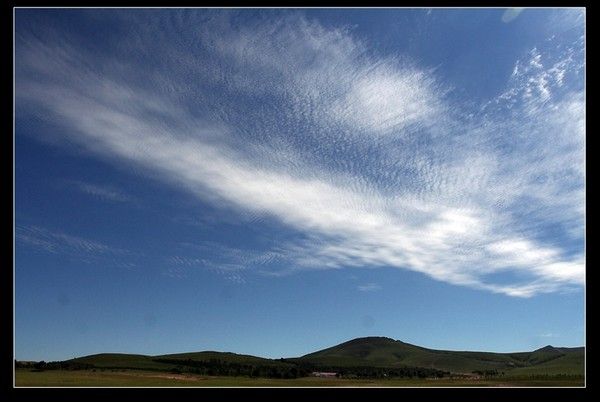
[(368, 352)]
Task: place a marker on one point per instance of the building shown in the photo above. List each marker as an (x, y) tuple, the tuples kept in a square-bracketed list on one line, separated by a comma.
[(323, 374)]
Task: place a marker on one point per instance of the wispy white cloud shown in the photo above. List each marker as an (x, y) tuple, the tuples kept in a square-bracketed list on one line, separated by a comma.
[(511, 14), (229, 263), (177, 272), (369, 287), (53, 242), (79, 248), (104, 192), (365, 155), (387, 97)]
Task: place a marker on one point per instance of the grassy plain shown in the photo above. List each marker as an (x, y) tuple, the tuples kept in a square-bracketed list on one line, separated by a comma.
[(139, 378)]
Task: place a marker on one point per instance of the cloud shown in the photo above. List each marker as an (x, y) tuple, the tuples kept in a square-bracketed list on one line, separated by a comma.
[(511, 13), (103, 192), (369, 287), (229, 262), (532, 83), (227, 266), (78, 248), (366, 156), (384, 97)]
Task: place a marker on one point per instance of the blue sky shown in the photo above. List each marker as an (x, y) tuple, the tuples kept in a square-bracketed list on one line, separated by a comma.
[(273, 182)]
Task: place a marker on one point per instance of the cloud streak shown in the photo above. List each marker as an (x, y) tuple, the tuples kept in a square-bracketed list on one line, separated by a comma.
[(78, 248), (511, 14), (103, 192), (369, 287), (365, 155)]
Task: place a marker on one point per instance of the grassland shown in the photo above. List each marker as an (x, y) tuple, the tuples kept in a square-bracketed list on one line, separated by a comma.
[(569, 364), (140, 378)]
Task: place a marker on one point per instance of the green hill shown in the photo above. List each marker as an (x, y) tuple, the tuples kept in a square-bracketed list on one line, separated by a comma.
[(571, 362), (170, 361), (203, 363), (222, 356), (379, 352), (387, 352)]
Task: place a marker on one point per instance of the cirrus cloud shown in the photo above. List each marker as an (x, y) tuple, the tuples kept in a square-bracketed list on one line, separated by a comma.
[(366, 155)]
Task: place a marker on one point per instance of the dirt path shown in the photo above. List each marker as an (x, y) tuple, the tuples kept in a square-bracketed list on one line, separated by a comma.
[(173, 377)]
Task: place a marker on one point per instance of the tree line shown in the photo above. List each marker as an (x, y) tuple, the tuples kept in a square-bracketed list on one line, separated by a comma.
[(296, 369), (277, 369), (56, 365), (218, 367)]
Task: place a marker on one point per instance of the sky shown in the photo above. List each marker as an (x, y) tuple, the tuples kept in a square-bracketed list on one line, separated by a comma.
[(277, 181)]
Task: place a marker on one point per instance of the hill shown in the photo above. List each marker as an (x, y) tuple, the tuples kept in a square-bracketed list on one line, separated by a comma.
[(167, 362), (387, 352), (369, 352)]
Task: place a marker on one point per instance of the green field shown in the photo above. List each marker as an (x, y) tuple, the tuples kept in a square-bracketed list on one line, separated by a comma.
[(137, 378)]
